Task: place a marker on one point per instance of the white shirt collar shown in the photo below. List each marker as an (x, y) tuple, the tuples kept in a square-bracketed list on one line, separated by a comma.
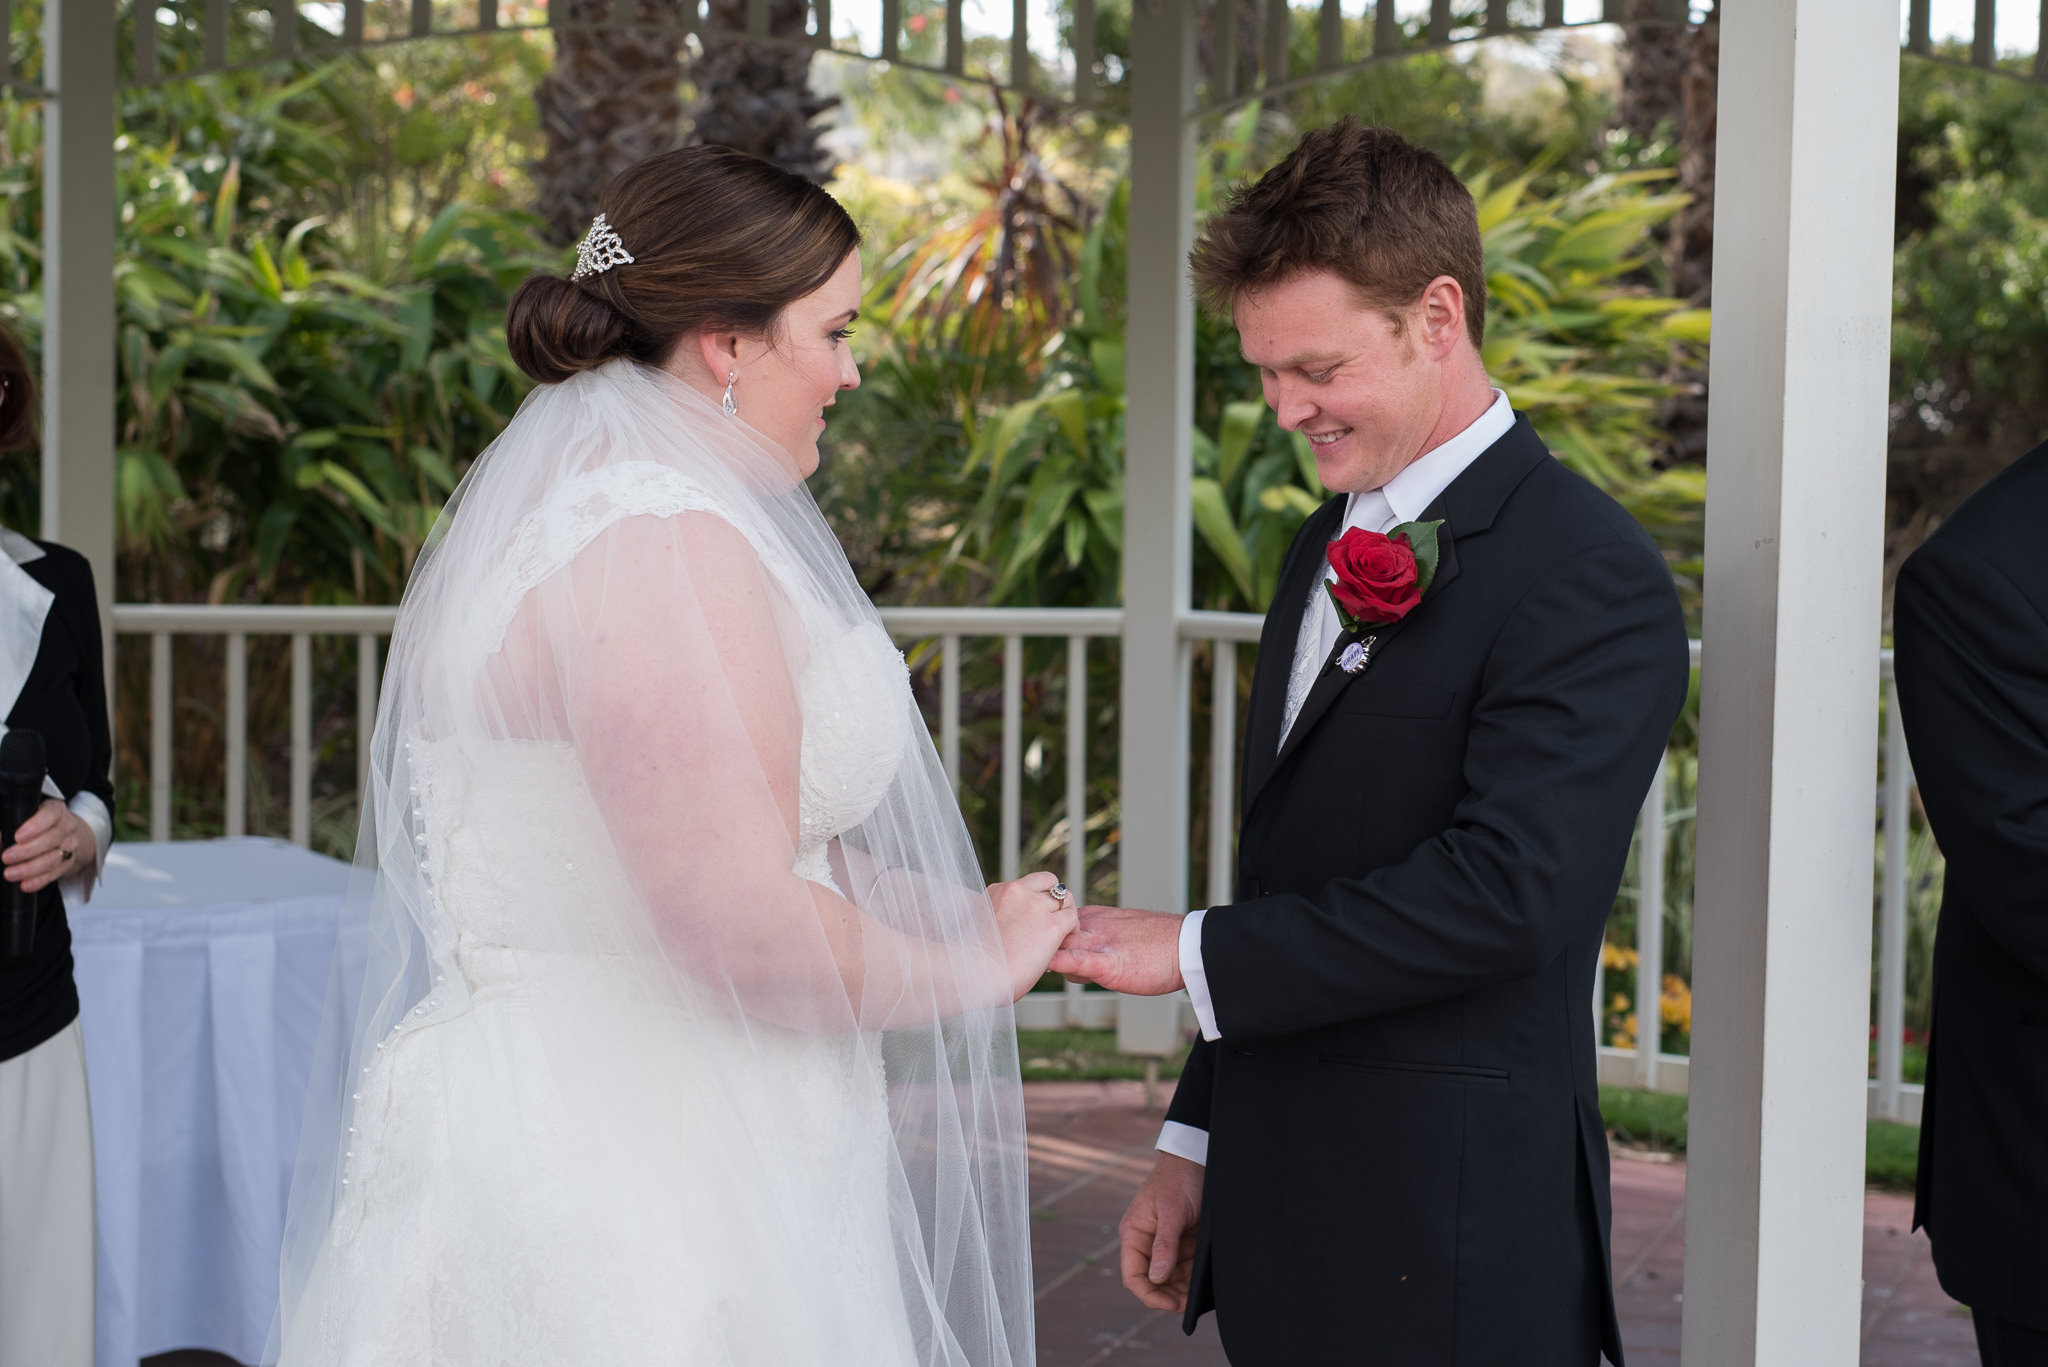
[(1410, 493), (24, 604), (17, 547)]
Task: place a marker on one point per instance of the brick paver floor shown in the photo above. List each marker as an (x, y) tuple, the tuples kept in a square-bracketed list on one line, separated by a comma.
[(1091, 1144)]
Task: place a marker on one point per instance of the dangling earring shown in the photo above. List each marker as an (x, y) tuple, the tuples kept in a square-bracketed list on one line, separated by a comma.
[(732, 410)]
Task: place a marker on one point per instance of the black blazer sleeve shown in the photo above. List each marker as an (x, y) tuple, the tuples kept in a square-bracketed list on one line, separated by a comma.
[(1190, 1104), (1972, 668), (81, 611), (1575, 704)]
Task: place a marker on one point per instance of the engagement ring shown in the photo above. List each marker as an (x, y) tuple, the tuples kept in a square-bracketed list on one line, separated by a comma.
[(1058, 891)]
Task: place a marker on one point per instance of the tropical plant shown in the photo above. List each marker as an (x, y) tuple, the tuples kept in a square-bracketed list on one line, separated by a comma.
[(1571, 338)]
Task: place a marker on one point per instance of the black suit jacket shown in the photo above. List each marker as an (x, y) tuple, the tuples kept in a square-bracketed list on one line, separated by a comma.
[(65, 698), (1970, 623), (1407, 1165)]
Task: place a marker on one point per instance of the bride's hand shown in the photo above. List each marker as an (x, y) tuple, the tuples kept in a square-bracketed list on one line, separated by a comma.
[(1033, 923)]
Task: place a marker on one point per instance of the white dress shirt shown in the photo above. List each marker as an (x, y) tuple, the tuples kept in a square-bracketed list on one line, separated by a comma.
[(1404, 498), (24, 606)]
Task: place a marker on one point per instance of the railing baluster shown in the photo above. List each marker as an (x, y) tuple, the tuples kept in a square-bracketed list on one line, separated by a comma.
[(1920, 28), (144, 15), (1013, 763), (160, 735), (302, 738), (217, 34), (1330, 36), (2041, 47), (949, 708), (1386, 28), (486, 15), (1496, 17), (1084, 54), (1553, 13), (423, 17), (1223, 49), (1222, 769), (956, 36), (284, 28), (1984, 35), (1650, 929), (6, 40), (351, 22), (1439, 22), (1279, 41), (238, 734), (757, 18), (1077, 793), (1020, 44), (821, 22), (366, 709), (892, 29), (1891, 927)]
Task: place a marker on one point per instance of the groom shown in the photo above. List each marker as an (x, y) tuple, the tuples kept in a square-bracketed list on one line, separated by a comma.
[(1387, 1148)]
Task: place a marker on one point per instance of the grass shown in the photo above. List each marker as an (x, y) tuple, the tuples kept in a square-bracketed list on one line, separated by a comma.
[(1083, 1056), (1891, 1153)]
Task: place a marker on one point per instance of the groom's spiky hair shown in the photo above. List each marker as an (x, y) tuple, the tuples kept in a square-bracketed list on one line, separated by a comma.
[(1385, 216)]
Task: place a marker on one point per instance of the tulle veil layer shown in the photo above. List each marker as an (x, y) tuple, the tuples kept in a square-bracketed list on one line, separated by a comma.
[(586, 996)]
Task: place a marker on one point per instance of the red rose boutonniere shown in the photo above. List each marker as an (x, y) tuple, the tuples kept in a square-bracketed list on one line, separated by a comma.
[(1381, 577)]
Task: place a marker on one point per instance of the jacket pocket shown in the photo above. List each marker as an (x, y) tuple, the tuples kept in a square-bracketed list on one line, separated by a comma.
[(1444, 1072)]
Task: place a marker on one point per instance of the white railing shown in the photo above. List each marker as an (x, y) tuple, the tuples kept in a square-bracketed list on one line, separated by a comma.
[(1643, 1066)]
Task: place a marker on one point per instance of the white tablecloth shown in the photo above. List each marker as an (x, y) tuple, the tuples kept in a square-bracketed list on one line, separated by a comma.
[(202, 969)]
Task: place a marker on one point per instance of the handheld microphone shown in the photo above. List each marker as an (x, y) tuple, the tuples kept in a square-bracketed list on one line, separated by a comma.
[(22, 762)]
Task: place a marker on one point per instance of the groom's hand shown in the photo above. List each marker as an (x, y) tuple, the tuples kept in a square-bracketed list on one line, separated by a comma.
[(1124, 950), (1158, 1234)]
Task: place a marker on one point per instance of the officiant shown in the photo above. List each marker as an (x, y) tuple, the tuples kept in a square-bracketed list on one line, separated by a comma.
[(52, 682)]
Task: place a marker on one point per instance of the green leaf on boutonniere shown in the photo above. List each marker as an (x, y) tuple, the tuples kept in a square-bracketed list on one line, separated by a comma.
[(1421, 538)]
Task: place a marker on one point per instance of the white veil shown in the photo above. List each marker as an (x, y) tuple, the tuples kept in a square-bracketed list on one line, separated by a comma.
[(594, 965)]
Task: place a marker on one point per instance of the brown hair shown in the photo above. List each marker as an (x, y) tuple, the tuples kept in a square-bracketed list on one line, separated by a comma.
[(18, 404), (719, 239), (1387, 217)]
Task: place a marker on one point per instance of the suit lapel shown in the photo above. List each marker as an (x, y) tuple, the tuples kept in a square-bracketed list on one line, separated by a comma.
[(1276, 645), (1468, 507)]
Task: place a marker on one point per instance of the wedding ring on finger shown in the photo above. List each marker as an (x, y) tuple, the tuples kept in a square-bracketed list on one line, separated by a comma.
[(1059, 893), (67, 856)]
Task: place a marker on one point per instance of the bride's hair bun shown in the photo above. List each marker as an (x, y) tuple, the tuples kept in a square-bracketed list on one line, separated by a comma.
[(719, 239)]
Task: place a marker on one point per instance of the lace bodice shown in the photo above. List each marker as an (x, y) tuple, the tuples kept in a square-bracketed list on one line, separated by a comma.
[(855, 694)]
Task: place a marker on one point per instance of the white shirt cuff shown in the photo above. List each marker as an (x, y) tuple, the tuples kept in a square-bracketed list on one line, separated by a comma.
[(1184, 1141), (88, 808), (1196, 977)]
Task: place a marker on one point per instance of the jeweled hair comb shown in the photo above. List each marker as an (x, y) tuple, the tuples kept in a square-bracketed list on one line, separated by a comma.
[(600, 250)]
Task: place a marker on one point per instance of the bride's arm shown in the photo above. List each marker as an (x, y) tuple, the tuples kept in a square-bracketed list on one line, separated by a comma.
[(681, 697)]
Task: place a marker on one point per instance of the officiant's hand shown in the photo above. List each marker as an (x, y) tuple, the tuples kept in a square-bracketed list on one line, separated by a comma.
[(1158, 1234), (1124, 950)]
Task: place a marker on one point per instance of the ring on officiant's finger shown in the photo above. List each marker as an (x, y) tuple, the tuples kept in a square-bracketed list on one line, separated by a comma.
[(1059, 893), (68, 856)]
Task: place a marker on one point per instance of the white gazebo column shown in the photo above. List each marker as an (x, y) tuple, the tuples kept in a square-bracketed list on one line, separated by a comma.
[(1795, 487), (1158, 551), (78, 287)]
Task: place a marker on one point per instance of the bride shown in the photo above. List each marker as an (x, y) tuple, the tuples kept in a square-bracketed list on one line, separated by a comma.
[(684, 1034)]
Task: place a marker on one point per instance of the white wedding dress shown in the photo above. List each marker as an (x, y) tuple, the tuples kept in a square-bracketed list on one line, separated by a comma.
[(572, 1139)]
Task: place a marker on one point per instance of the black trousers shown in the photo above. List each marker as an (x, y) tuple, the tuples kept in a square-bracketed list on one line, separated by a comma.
[(2007, 1343)]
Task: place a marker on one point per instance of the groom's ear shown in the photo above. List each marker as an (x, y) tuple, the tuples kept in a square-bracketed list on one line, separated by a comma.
[(1442, 309)]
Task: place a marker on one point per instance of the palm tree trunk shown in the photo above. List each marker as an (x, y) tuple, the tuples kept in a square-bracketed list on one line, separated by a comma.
[(757, 96), (612, 98)]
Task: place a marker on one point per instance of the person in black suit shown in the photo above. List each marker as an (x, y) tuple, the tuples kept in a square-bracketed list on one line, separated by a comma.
[(1387, 1147), (52, 682), (1970, 627)]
